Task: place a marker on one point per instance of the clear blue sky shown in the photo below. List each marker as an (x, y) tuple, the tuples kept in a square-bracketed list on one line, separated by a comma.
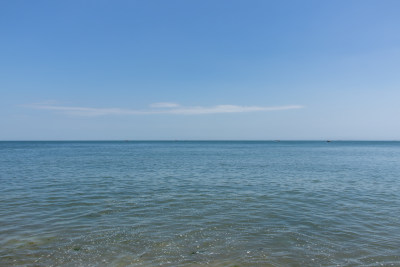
[(199, 69)]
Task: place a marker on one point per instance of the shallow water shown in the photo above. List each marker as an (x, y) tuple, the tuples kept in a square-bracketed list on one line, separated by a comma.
[(199, 203)]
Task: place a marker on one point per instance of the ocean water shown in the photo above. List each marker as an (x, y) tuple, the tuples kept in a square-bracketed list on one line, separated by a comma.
[(200, 203)]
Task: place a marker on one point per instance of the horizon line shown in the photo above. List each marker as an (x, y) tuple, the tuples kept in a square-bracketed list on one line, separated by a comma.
[(202, 140)]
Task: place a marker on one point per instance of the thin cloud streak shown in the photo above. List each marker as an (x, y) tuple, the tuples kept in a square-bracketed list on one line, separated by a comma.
[(164, 105), (162, 108)]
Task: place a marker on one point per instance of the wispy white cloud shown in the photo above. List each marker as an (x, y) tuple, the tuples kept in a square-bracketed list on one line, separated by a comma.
[(161, 108), (85, 111), (164, 105)]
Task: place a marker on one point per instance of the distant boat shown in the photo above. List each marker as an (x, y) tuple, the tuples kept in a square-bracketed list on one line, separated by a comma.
[(328, 141)]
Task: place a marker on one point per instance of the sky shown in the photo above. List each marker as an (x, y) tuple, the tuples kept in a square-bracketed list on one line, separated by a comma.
[(199, 70)]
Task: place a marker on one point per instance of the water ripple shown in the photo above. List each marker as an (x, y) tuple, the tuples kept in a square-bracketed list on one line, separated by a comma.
[(199, 203)]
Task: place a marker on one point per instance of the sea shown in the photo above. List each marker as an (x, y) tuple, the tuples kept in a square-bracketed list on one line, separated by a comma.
[(200, 203)]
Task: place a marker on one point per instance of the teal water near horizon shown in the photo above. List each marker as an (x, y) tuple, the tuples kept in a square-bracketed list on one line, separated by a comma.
[(196, 203)]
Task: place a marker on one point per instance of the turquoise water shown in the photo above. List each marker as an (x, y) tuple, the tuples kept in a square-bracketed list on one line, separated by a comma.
[(199, 203)]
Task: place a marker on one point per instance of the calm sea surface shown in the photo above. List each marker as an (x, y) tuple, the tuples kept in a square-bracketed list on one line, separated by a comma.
[(199, 203)]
